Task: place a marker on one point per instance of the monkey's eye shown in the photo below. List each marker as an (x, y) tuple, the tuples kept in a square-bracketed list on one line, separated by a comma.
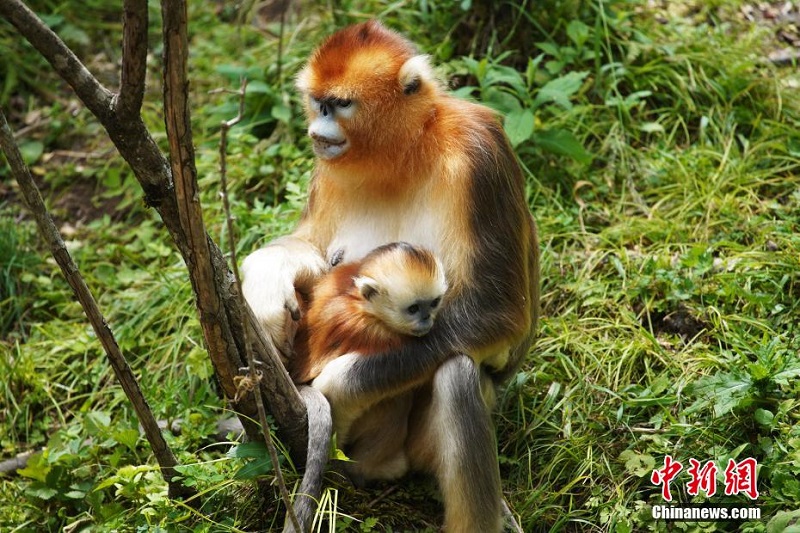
[(435, 303), (413, 309), (344, 103)]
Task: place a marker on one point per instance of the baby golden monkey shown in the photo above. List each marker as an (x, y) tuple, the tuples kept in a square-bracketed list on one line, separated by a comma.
[(368, 307), (399, 159)]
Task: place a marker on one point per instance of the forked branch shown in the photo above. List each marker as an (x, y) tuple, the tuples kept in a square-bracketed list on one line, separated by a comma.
[(47, 228), (221, 314)]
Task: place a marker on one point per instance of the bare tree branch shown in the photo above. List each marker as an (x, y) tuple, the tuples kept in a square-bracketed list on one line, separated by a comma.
[(134, 53), (166, 459), (128, 133), (213, 318), (253, 373), (222, 317), (184, 175)]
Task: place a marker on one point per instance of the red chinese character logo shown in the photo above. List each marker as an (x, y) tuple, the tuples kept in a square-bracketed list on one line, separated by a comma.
[(665, 475), (702, 478), (741, 477)]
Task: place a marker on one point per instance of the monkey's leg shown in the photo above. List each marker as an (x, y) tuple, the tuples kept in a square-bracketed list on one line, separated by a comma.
[(455, 440)]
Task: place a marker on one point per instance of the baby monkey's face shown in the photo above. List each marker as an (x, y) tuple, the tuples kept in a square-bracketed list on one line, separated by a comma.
[(403, 287), (414, 316)]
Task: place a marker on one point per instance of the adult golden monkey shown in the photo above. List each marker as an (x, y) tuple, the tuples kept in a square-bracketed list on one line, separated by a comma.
[(398, 159)]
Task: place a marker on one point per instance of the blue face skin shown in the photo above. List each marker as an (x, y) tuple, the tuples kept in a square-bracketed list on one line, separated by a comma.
[(421, 314), (329, 140)]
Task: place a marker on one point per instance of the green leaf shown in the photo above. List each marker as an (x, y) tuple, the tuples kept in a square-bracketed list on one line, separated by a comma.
[(764, 417), (563, 142), (37, 468), (783, 377), (231, 71), (127, 437), (724, 391), (339, 455), (109, 481), (500, 100), (44, 493), (97, 422), (31, 151), (549, 48), (258, 87), (578, 32), (784, 522), (254, 468), (74, 36), (502, 75), (519, 126), (638, 464), (249, 450), (282, 113), (198, 363), (560, 89)]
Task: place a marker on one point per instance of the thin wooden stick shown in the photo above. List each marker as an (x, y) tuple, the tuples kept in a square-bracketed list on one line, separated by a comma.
[(166, 459), (221, 316), (255, 375)]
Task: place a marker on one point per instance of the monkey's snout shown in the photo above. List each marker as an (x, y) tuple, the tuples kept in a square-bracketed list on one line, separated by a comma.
[(328, 147), (422, 329), (322, 139)]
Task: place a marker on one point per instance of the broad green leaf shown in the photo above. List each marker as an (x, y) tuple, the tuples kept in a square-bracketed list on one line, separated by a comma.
[(198, 363), (109, 481), (249, 450), (254, 468), (783, 377), (560, 89), (500, 100), (43, 493), (339, 455), (282, 113), (549, 48), (128, 437), (563, 142), (638, 464), (724, 391), (578, 32), (784, 522), (500, 74), (31, 151), (258, 87), (764, 417), (519, 126), (37, 468)]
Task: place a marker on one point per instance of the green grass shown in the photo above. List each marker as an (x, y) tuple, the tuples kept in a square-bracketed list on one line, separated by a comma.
[(661, 152)]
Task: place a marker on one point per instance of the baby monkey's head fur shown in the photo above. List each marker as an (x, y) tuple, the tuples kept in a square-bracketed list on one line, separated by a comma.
[(402, 286)]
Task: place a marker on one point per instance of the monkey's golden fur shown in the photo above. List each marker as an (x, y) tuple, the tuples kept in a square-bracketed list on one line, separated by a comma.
[(340, 319), (399, 159)]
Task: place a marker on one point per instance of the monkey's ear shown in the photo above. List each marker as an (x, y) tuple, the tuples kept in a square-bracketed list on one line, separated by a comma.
[(414, 73), (303, 80), (367, 286)]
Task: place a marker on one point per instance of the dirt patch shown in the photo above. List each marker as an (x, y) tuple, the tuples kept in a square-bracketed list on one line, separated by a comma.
[(681, 322)]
